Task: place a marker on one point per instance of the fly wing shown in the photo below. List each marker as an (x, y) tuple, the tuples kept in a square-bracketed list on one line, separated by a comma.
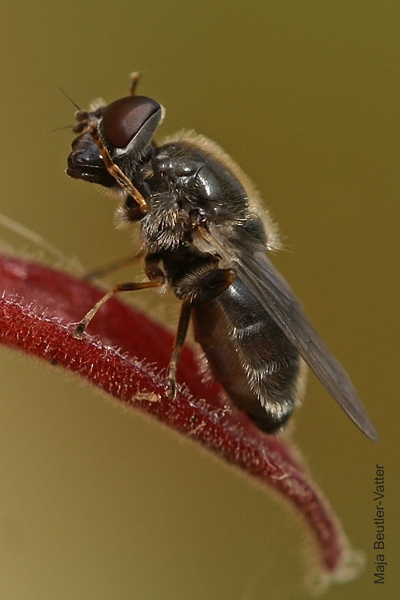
[(274, 294)]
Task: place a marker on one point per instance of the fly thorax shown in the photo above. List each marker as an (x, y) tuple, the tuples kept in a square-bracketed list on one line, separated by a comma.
[(167, 226)]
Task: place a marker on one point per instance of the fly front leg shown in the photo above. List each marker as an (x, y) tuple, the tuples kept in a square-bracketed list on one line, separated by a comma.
[(156, 279), (133, 82), (207, 287)]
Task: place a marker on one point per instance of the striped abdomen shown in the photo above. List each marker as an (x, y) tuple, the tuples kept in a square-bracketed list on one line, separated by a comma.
[(249, 355)]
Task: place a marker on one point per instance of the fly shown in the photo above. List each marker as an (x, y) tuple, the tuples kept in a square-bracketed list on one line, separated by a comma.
[(203, 235)]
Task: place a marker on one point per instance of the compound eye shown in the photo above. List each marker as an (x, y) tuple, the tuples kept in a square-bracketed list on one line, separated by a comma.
[(124, 118)]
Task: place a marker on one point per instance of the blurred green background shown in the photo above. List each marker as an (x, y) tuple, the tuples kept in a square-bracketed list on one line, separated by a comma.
[(95, 503)]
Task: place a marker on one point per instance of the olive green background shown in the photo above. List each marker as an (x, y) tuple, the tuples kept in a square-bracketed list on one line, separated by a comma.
[(95, 503)]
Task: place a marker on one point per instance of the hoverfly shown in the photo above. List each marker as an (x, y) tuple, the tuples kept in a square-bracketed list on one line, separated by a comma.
[(202, 233)]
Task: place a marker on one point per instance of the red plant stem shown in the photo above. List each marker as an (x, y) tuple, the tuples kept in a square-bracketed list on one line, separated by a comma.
[(36, 303)]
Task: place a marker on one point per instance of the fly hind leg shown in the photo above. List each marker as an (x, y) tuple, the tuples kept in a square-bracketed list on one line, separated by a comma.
[(204, 289)]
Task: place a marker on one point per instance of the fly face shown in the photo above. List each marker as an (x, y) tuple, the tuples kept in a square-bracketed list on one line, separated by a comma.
[(203, 235), (85, 162), (114, 135)]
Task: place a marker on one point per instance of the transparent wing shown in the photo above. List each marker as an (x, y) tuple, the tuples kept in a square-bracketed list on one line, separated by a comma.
[(273, 293)]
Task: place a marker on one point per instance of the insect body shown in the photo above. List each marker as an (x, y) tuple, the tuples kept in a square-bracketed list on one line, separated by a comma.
[(203, 234)]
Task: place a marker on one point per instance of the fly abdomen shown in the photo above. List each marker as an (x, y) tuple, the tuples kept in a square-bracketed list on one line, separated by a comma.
[(249, 355)]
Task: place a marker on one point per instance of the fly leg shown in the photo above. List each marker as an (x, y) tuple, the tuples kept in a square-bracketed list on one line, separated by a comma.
[(114, 266), (115, 171), (133, 81), (180, 336), (207, 287), (156, 279)]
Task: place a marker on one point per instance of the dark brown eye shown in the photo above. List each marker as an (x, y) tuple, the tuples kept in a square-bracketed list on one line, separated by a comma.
[(124, 118)]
